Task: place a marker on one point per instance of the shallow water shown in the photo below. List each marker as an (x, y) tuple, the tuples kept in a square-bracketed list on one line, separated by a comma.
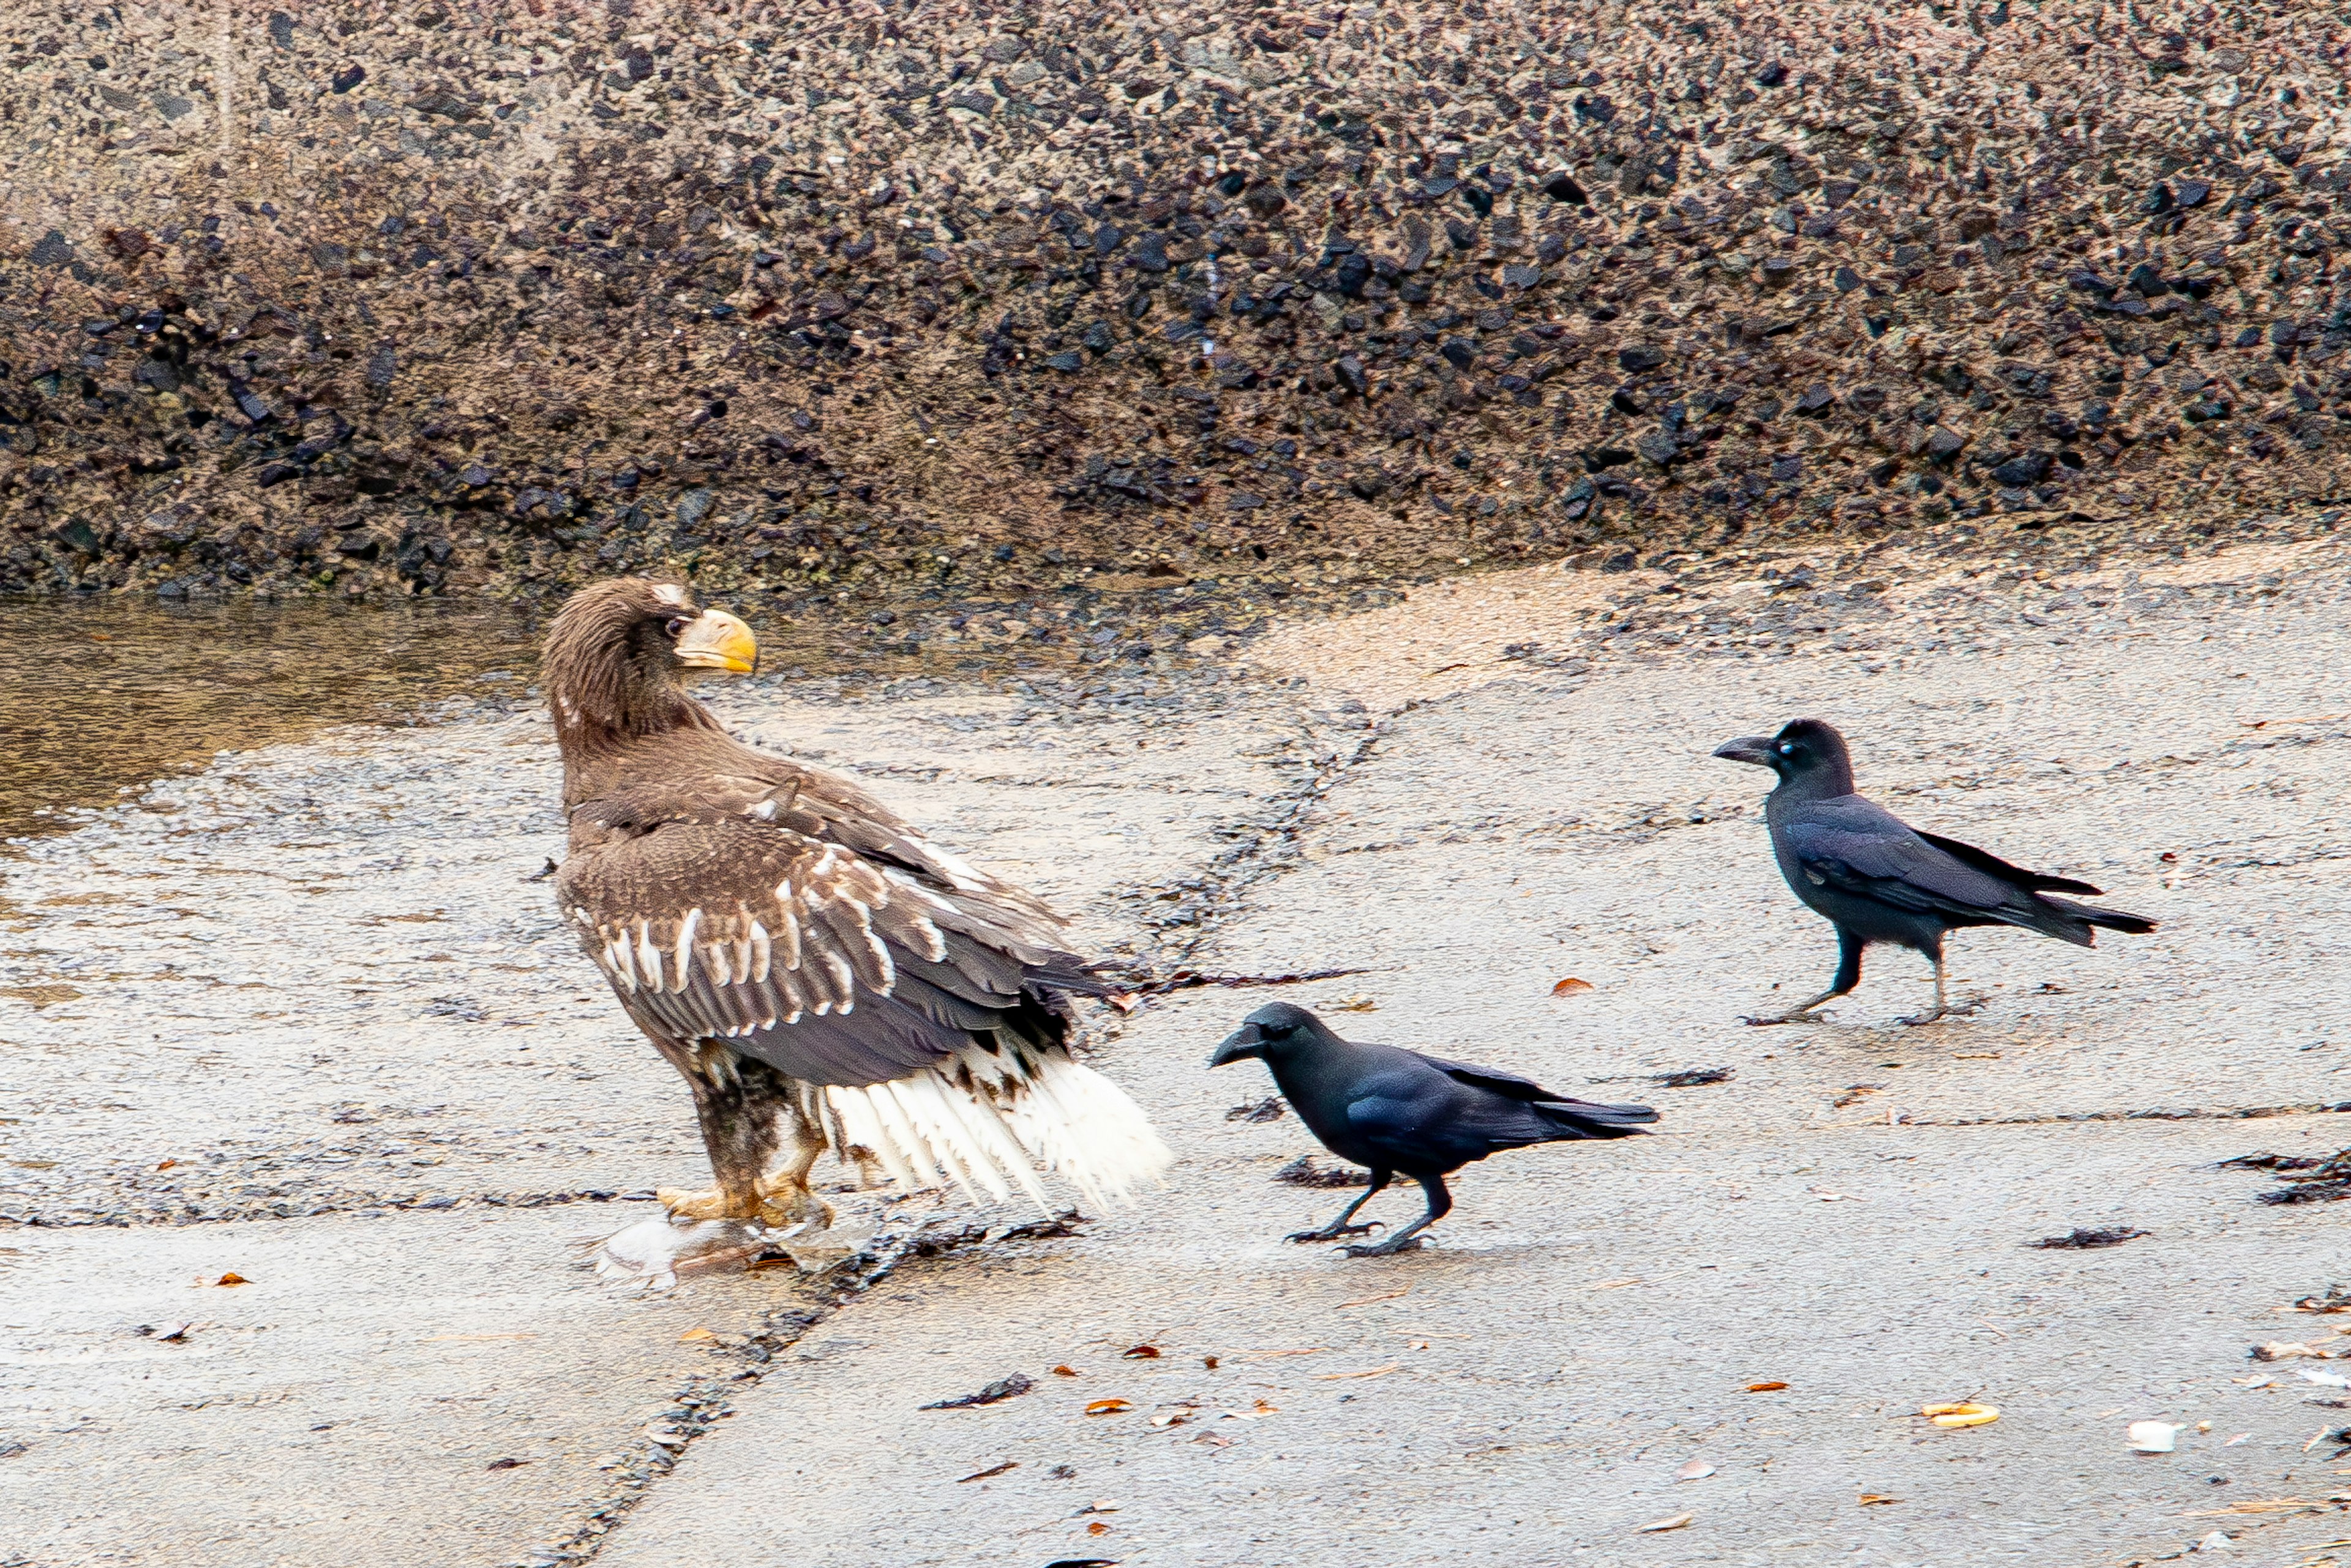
[(101, 695), (98, 697)]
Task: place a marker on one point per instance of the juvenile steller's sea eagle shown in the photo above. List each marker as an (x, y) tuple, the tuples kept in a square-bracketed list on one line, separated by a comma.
[(820, 973)]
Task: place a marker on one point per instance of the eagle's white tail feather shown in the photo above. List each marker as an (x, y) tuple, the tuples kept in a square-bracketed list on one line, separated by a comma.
[(986, 1120)]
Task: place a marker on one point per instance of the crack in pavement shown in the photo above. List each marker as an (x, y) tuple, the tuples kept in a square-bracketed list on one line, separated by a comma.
[(696, 1405)]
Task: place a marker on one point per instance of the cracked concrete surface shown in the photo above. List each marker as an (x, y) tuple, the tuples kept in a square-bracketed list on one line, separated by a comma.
[(392, 1126)]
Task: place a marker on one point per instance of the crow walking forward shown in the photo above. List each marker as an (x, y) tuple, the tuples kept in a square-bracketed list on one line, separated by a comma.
[(1394, 1111), (1877, 879)]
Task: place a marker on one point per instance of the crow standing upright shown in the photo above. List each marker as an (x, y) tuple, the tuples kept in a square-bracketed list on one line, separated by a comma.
[(1393, 1109), (1879, 879)]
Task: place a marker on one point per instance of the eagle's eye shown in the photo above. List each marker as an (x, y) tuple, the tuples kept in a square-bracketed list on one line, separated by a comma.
[(677, 624)]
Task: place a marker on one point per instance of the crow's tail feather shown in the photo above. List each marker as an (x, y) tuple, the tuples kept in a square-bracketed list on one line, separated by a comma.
[(1583, 1119), (2091, 914)]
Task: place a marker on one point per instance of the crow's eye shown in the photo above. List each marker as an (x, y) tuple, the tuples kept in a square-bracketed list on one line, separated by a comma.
[(1787, 748), (676, 624)]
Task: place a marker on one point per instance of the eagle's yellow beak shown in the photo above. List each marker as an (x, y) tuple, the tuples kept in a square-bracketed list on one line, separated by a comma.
[(717, 641)]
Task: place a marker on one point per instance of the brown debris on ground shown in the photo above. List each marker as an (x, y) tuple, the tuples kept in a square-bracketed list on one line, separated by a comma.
[(851, 301)]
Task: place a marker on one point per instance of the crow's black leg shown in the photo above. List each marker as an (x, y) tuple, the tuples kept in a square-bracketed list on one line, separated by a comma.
[(1440, 1204), (1340, 1227), (1848, 976), (1944, 1007)]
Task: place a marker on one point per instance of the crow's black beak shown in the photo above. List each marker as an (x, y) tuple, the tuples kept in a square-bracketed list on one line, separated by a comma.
[(1245, 1042), (1754, 748)]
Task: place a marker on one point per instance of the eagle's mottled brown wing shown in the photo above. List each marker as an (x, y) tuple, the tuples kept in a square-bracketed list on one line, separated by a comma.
[(833, 968), (718, 773)]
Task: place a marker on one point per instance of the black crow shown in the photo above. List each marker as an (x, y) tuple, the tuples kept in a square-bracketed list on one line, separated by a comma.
[(1393, 1110), (1879, 879)]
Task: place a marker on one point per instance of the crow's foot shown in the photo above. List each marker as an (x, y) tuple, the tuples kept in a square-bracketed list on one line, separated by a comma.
[(1333, 1233), (1393, 1245), (1945, 1011), (1807, 1014)]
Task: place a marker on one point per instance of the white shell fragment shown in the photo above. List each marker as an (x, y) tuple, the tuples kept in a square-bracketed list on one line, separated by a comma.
[(2152, 1436)]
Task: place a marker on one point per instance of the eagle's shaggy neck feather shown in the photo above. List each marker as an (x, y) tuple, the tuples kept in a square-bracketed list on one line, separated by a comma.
[(611, 676)]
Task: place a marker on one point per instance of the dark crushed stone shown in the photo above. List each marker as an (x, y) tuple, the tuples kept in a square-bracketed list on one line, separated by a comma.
[(1003, 1388), (1304, 1172), (2081, 1238), (2095, 316)]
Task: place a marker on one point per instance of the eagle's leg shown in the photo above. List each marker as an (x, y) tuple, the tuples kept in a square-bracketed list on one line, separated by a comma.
[(1340, 1227), (1440, 1204), (743, 1105), (784, 1197), (1848, 976)]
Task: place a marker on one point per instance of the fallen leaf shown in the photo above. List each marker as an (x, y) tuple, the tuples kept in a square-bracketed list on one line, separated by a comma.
[(1695, 1470), (1065, 1372), (1109, 1407), (1141, 1352), (1975, 1056), (1376, 1372), (1568, 987), (1765, 1388), (1875, 1500), (167, 1165), (2240, 1438), (1367, 1301), (231, 1278), (506, 1464), (1171, 1418), (1097, 1528), (1960, 1414), (2279, 1350), (991, 1470), (1124, 1001), (1358, 1003), (1263, 1409), (1673, 1521), (1209, 1361), (692, 1335)]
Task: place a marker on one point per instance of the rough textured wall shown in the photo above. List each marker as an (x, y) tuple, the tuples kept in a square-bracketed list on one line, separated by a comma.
[(432, 297)]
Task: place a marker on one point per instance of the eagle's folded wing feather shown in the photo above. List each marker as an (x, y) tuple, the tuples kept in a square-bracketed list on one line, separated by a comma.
[(829, 967)]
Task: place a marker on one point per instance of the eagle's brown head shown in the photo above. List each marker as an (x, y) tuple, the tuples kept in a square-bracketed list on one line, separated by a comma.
[(616, 655)]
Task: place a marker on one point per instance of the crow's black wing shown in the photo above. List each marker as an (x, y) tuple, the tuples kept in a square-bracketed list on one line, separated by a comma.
[(1858, 847), (2034, 880), (1508, 1085), (1562, 1109)]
